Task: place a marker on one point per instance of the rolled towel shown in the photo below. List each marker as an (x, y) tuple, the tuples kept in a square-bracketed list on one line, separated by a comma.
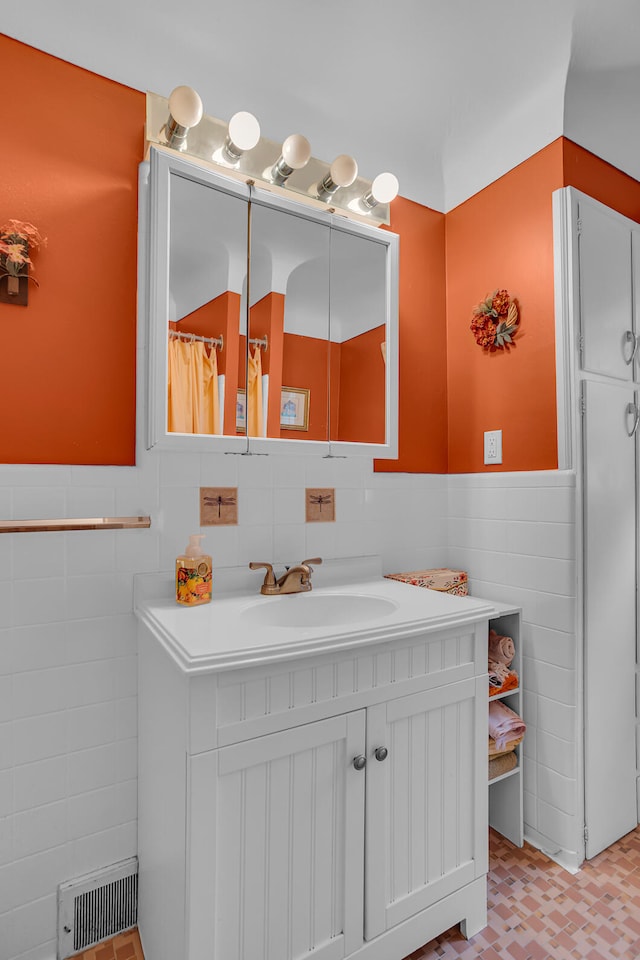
[(504, 724), (501, 649)]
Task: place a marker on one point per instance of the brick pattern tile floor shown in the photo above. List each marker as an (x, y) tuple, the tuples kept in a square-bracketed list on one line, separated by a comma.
[(126, 946), (536, 911)]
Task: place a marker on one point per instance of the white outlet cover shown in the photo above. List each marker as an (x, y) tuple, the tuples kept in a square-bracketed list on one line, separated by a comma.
[(493, 446)]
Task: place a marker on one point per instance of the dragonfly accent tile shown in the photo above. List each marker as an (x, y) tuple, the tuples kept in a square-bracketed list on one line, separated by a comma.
[(218, 505), (320, 504)]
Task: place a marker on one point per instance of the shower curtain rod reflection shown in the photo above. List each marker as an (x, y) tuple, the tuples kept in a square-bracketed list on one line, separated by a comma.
[(217, 342), (263, 343)]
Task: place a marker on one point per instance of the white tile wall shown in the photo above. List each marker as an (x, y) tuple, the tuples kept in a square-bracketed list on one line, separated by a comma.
[(515, 534), (68, 722)]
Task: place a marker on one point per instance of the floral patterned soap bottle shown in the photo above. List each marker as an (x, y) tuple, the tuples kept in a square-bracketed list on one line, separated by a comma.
[(194, 577)]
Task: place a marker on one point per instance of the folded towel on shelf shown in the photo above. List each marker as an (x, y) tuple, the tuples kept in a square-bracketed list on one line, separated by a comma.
[(496, 685), (497, 670), (502, 764), (437, 578), (504, 724), (501, 649), (510, 745)]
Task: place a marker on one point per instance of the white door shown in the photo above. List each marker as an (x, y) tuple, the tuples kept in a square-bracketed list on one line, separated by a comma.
[(276, 840), (426, 816), (606, 314), (609, 456)]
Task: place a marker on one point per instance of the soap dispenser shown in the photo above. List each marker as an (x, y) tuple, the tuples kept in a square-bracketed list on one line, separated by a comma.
[(194, 577)]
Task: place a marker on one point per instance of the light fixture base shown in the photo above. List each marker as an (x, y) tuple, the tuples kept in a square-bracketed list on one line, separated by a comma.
[(205, 145)]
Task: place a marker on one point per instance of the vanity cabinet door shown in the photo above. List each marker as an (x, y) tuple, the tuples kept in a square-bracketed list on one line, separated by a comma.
[(276, 841), (426, 801)]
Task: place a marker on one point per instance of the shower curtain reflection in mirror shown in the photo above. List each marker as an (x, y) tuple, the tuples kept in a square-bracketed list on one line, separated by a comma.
[(193, 397), (255, 423)]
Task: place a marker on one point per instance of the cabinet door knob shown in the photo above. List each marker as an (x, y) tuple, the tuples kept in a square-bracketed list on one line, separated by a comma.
[(381, 753), (360, 762)]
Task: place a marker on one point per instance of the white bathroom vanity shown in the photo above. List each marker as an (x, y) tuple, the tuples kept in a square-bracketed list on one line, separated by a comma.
[(313, 769)]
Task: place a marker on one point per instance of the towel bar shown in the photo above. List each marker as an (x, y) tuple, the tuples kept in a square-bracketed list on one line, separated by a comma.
[(87, 523)]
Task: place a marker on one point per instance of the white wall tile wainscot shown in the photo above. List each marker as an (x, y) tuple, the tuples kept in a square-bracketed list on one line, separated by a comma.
[(68, 747), (515, 534)]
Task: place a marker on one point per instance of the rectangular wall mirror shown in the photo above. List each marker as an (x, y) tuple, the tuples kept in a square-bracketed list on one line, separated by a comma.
[(272, 326)]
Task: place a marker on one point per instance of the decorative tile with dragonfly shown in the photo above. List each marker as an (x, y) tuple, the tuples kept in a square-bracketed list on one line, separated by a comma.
[(218, 505), (320, 504)]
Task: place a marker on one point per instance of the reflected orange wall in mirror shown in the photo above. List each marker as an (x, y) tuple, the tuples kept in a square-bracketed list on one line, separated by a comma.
[(361, 395), (305, 365)]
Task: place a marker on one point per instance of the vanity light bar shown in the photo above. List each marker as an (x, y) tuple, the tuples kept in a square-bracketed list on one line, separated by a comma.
[(207, 143)]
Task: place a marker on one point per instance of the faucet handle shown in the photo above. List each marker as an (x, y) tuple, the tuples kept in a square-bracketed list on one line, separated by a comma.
[(269, 577), (316, 560)]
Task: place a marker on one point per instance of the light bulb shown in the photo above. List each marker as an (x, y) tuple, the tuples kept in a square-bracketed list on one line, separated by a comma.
[(244, 133), (342, 172), (185, 111), (384, 189), (296, 151)]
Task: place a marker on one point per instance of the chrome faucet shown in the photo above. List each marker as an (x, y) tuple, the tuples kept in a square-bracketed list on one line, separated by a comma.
[(294, 580)]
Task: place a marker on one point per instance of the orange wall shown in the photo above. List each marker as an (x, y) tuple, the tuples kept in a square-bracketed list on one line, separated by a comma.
[(503, 238), (67, 373), (70, 156), (422, 442), (596, 177)]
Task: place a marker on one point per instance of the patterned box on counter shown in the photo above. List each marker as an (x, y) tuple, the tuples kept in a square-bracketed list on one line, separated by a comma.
[(440, 578)]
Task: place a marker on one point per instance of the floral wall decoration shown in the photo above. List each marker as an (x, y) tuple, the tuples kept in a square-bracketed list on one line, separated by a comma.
[(17, 240), (495, 321)]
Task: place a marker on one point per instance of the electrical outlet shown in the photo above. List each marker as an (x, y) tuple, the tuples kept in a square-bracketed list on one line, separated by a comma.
[(493, 446)]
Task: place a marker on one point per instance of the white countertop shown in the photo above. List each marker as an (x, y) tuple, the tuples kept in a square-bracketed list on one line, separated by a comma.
[(222, 635)]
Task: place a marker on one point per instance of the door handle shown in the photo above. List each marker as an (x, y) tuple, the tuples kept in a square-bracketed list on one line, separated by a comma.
[(381, 753), (360, 762), (632, 410), (630, 337)]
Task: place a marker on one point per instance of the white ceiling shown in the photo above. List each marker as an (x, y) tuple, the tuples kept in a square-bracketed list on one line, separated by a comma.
[(448, 94)]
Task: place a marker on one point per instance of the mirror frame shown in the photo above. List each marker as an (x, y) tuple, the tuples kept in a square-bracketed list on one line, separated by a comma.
[(153, 302), (162, 166), (389, 449)]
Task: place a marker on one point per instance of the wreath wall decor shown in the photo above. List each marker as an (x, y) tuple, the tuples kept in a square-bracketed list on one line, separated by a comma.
[(495, 321)]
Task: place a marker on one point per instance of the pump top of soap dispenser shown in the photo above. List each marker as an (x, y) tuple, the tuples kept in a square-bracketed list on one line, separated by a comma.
[(193, 548)]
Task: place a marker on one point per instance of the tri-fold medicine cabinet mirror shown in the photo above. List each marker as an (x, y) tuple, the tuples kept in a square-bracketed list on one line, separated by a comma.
[(272, 325)]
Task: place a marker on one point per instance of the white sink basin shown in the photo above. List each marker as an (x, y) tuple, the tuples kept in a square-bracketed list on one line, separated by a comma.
[(316, 610)]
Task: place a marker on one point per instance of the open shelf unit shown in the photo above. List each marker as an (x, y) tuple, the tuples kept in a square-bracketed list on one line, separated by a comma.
[(505, 792)]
